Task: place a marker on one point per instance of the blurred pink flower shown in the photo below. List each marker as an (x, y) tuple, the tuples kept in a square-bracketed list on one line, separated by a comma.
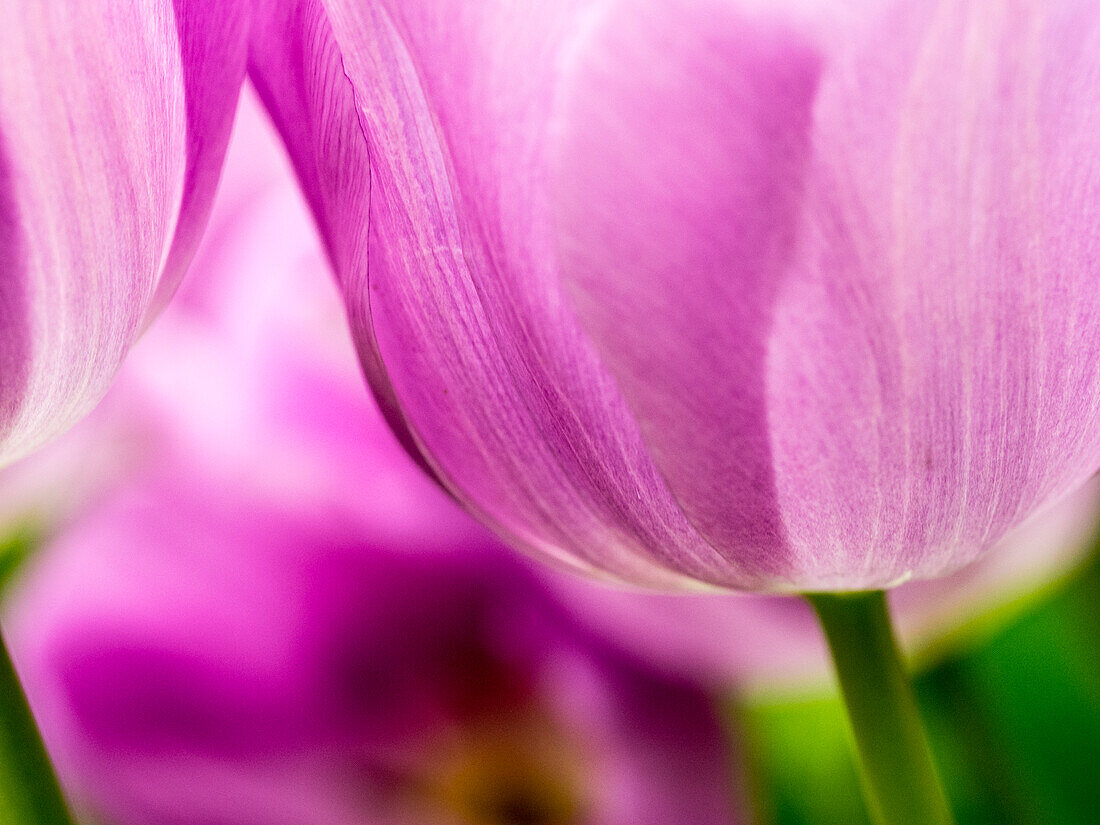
[(776, 296), (113, 123), (267, 615), (199, 657)]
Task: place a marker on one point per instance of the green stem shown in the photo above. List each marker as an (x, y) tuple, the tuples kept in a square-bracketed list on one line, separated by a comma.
[(899, 778), (29, 791)]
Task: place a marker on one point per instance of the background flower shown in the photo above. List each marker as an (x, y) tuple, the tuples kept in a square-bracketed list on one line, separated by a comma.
[(202, 658)]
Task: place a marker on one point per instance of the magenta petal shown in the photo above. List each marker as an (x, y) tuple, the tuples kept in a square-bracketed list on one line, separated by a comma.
[(212, 45), (15, 342), (113, 123), (589, 489), (748, 293), (297, 69), (682, 146)]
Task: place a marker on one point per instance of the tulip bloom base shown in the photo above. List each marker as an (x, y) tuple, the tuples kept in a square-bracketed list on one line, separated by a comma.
[(899, 777)]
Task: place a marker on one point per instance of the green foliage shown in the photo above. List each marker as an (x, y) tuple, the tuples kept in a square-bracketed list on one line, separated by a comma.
[(1014, 725), (16, 544)]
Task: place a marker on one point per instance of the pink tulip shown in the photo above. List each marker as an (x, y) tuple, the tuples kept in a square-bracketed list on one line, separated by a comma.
[(772, 296), (198, 656), (113, 122), (250, 377), (272, 617)]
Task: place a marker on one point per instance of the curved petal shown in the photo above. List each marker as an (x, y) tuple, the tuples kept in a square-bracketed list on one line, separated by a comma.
[(15, 342), (507, 396), (113, 122), (461, 300), (737, 292), (213, 43), (297, 69), (881, 329)]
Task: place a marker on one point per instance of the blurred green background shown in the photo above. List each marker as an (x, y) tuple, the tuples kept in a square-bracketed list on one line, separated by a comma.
[(1014, 723)]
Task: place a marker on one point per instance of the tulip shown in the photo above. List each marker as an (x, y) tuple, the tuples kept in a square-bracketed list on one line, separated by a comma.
[(197, 656), (788, 296), (763, 296), (249, 376), (113, 123)]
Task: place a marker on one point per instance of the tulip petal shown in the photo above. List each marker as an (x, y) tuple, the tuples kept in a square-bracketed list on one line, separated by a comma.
[(463, 305), (931, 375), (213, 46), (882, 327), (505, 393), (14, 343), (297, 69), (682, 147), (113, 123)]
